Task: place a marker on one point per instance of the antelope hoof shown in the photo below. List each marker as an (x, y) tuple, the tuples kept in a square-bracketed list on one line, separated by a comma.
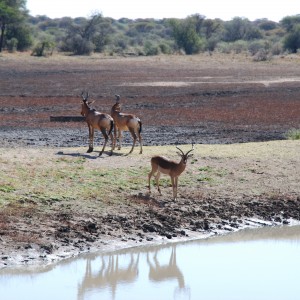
[(90, 150), (111, 153), (100, 153)]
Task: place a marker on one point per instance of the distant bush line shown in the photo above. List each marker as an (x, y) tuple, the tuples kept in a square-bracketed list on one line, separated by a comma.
[(42, 35)]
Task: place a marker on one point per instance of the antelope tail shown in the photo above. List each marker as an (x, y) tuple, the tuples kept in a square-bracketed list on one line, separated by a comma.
[(111, 127), (140, 126)]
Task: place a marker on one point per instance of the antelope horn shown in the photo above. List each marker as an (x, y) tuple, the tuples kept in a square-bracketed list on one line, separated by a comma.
[(180, 150), (117, 98), (191, 149)]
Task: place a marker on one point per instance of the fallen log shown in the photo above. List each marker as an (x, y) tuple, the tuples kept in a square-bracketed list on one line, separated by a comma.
[(66, 118)]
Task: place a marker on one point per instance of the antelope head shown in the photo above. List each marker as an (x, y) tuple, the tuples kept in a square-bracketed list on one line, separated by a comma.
[(185, 156), (117, 105), (117, 98), (85, 104)]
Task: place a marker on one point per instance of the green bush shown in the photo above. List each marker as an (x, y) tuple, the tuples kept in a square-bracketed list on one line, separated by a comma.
[(165, 48), (276, 48), (12, 45), (43, 48), (255, 46), (239, 46), (151, 49), (292, 40), (293, 134)]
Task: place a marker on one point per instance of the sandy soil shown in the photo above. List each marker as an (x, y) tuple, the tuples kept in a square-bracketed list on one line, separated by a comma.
[(202, 99)]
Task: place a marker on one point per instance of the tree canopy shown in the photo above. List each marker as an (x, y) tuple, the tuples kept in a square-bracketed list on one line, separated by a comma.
[(12, 13)]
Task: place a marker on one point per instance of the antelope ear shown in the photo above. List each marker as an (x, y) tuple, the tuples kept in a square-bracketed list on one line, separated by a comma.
[(91, 102)]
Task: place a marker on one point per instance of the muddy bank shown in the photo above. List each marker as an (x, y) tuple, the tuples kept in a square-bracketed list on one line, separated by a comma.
[(144, 220)]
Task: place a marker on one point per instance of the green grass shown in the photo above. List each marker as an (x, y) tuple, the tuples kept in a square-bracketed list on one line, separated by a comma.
[(69, 179), (6, 188)]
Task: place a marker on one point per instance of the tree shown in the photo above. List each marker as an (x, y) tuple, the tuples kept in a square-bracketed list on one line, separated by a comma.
[(185, 35), (21, 33), (235, 29), (11, 12), (241, 29), (290, 22), (211, 27), (292, 40), (87, 35)]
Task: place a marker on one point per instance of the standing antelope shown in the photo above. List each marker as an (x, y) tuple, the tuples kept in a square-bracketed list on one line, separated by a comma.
[(126, 122), (163, 165), (96, 120)]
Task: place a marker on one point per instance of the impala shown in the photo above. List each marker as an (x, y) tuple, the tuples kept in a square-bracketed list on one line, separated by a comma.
[(126, 122), (174, 169), (96, 120)]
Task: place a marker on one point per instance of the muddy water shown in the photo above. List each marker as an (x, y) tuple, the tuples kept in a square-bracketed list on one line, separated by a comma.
[(252, 264)]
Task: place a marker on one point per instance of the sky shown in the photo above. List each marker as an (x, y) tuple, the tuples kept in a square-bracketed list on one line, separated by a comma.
[(159, 9)]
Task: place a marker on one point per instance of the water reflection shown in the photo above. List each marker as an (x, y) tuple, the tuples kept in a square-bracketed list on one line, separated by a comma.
[(108, 274), (159, 273), (114, 270), (189, 270)]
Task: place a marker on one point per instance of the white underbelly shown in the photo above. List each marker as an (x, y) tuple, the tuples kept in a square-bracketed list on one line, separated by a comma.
[(164, 171)]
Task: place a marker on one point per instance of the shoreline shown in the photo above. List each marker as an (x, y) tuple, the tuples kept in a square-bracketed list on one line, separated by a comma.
[(34, 259)]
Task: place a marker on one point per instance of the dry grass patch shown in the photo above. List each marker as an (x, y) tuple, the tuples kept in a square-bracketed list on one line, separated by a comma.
[(48, 175)]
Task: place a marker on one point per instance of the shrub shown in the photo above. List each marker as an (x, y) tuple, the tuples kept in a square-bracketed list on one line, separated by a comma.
[(256, 46), (43, 48), (261, 55), (150, 49), (12, 45), (276, 49), (211, 44), (293, 134), (239, 46), (224, 48), (185, 36), (165, 48)]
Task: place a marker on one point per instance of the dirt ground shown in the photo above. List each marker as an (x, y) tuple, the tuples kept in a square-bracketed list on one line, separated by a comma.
[(206, 100)]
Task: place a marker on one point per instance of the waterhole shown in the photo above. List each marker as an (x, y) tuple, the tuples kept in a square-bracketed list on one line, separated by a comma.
[(250, 264)]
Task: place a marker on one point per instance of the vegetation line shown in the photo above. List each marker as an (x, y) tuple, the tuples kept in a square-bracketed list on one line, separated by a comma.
[(261, 38)]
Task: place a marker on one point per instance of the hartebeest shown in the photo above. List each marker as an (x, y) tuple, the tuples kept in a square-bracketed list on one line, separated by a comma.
[(163, 165), (126, 122), (96, 120)]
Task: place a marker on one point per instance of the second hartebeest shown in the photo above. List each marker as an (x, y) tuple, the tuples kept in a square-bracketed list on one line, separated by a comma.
[(126, 122), (97, 120)]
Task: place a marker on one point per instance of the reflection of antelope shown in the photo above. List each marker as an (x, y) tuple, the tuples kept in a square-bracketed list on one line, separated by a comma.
[(96, 120), (108, 276), (126, 122), (170, 271), (163, 165)]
